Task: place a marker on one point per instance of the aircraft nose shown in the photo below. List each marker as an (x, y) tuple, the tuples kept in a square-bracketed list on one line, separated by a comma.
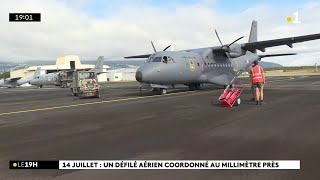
[(139, 76)]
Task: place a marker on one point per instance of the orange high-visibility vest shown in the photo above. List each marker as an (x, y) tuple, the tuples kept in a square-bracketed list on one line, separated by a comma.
[(257, 74)]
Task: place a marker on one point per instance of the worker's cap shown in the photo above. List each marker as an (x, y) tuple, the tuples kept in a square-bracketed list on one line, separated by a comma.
[(256, 62)]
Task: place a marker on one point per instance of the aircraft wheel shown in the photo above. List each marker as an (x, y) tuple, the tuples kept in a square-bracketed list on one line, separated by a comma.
[(98, 95), (197, 86), (163, 91), (192, 87), (238, 102), (81, 96), (71, 92), (40, 86)]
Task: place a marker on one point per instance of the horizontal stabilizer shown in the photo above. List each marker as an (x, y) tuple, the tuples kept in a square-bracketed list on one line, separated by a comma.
[(274, 55)]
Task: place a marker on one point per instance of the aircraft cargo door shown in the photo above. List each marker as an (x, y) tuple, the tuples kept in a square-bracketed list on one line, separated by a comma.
[(193, 69)]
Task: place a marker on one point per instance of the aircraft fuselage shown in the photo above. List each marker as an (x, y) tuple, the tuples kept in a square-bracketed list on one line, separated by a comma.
[(192, 68)]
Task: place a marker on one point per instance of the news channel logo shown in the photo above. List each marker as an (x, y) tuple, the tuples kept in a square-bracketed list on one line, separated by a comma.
[(294, 18)]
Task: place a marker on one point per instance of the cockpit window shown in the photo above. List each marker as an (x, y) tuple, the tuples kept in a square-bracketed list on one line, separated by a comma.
[(150, 59), (157, 59), (170, 60)]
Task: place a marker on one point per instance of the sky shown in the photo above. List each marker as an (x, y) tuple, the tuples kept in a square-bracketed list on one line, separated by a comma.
[(118, 28)]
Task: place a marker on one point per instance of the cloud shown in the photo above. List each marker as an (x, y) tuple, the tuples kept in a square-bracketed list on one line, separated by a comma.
[(127, 27)]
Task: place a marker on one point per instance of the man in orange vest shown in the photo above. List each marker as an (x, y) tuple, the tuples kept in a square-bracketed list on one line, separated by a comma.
[(258, 81), (253, 89)]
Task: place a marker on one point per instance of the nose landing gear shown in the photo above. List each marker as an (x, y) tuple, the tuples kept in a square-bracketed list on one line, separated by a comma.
[(160, 91)]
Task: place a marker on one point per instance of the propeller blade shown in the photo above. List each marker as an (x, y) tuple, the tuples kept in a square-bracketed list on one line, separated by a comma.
[(166, 48), (218, 37), (235, 41), (153, 47)]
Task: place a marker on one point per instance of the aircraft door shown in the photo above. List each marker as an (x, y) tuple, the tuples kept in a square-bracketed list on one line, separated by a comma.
[(191, 65)]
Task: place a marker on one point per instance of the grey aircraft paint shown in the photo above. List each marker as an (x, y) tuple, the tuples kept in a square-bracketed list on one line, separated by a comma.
[(98, 67), (217, 65), (53, 78), (45, 79), (14, 82)]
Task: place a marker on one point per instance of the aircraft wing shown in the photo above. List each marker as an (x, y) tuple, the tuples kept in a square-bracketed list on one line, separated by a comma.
[(261, 45), (13, 79), (138, 56)]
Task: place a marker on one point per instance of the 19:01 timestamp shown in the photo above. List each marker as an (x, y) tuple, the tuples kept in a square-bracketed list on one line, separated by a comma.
[(24, 17)]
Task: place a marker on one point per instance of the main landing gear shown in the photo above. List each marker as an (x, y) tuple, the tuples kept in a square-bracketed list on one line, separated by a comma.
[(162, 91), (194, 86)]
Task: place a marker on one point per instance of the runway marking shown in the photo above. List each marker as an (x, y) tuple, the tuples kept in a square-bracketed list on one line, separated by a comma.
[(89, 103), (24, 90), (302, 76)]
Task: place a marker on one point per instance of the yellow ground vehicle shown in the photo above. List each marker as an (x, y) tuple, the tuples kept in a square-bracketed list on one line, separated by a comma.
[(85, 84)]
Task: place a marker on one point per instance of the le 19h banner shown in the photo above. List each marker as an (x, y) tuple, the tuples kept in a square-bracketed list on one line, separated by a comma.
[(155, 164), (179, 164)]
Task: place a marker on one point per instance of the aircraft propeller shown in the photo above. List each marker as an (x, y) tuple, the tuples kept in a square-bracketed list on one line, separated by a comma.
[(154, 49), (226, 48)]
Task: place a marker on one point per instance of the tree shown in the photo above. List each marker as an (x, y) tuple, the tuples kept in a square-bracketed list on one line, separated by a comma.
[(5, 74)]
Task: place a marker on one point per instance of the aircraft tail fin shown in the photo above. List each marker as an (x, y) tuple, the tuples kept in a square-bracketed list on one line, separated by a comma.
[(37, 72), (98, 68), (254, 33)]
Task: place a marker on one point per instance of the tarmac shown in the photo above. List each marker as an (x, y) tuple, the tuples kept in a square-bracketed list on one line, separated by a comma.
[(50, 124)]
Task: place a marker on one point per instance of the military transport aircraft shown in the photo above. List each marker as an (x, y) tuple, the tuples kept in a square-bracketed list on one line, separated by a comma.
[(54, 79), (45, 79), (219, 65), (14, 82)]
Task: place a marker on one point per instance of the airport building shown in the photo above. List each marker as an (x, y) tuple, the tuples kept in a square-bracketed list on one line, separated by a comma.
[(123, 74), (73, 61)]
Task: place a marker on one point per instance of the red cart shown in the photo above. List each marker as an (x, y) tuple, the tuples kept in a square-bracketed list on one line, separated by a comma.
[(231, 96)]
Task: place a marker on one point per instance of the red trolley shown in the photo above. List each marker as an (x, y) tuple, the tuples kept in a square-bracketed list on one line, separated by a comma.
[(231, 96)]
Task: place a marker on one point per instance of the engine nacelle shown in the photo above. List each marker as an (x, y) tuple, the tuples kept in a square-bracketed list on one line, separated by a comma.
[(235, 50)]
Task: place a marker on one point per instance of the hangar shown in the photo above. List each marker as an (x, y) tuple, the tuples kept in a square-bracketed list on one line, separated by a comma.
[(123, 74), (73, 61), (62, 63)]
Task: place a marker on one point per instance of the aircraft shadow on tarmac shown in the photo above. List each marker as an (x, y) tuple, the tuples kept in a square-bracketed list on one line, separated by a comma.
[(148, 92)]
